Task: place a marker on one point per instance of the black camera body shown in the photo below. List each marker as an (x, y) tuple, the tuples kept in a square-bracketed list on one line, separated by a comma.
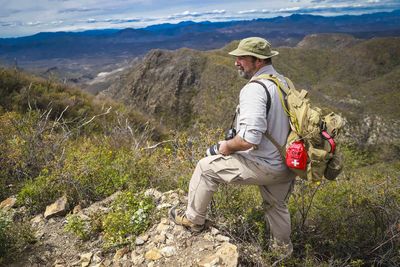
[(230, 134)]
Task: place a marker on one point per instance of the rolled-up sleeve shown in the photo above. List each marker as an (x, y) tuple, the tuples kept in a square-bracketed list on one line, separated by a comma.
[(252, 121)]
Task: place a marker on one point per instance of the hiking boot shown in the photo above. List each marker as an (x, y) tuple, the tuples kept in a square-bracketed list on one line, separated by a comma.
[(178, 216), (281, 251)]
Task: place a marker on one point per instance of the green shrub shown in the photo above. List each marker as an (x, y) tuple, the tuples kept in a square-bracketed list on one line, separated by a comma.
[(77, 226), (89, 171), (354, 218), (14, 237), (130, 216)]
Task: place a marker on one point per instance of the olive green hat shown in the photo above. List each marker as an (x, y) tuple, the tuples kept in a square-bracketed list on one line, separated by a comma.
[(254, 46)]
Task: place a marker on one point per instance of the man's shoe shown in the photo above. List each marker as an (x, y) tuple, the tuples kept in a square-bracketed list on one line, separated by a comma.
[(281, 250), (178, 216)]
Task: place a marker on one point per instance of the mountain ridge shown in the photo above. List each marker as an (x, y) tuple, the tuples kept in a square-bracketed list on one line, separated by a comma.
[(186, 87)]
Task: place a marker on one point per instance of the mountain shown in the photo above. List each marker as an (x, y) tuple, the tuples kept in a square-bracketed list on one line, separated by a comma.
[(79, 56), (358, 78)]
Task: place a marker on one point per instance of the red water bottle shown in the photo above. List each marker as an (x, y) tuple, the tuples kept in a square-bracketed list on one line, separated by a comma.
[(296, 156)]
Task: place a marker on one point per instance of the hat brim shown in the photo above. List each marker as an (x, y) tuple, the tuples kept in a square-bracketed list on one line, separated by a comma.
[(239, 52)]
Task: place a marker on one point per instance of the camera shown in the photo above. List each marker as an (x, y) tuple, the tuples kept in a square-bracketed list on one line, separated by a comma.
[(230, 134)]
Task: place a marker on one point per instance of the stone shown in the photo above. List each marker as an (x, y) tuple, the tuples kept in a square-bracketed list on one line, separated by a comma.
[(208, 237), (120, 253), (96, 259), (210, 261), (107, 262), (228, 254), (214, 231), (154, 193), (153, 254), (77, 209), (8, 203), (164, 206), (159, 238), (58, 208), (39, 234), (37, 220), (86, 258), (136, 259), (161, 227), (222, 238), (139, 241), (168, 251)]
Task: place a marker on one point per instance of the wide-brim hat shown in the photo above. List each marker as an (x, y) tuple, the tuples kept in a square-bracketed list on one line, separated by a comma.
[(254, 46)]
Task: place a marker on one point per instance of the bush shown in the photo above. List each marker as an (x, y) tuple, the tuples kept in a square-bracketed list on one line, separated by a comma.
[(355, 218), (130, 216), (14, 237), (78, 226), (89, 171)]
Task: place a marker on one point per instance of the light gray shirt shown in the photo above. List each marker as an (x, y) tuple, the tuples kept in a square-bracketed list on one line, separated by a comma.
[(252, 121)]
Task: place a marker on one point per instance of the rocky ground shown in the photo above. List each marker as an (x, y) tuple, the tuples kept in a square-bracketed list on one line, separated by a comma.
[(164, 244)]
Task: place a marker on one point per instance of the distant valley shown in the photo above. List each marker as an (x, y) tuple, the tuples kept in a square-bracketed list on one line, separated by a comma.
[(78, 57)]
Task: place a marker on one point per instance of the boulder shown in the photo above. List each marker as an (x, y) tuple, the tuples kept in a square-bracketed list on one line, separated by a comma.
[(58, 208)]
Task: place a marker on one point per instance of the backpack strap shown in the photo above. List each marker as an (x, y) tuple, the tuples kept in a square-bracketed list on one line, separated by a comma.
[(274, 79), (267, 92)]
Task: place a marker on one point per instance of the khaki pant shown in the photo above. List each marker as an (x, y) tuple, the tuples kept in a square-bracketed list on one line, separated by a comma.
[(275, 189)]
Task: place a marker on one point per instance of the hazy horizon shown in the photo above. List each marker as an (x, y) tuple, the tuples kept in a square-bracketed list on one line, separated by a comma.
[(20, 18)]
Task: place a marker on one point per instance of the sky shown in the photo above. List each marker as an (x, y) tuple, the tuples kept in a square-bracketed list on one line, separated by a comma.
[(28, 17)]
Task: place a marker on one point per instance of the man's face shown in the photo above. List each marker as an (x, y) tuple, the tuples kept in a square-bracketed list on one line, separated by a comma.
[(246, 66)]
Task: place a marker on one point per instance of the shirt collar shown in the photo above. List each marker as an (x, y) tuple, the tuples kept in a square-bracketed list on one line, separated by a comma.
[(268, 69)]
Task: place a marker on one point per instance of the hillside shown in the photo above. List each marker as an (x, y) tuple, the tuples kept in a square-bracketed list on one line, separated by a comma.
[(358, 78)]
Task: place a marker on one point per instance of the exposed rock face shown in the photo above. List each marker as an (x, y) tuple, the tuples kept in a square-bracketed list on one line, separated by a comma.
[(372, 130), (163, 84)]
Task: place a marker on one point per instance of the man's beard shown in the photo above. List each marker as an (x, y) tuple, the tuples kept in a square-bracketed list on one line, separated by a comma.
[(244, 74)]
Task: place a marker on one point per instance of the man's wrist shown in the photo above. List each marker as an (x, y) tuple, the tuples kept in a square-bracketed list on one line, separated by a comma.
[(224, 147)]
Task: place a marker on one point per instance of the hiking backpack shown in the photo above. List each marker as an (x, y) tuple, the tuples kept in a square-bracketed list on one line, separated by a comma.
[(310, 150)]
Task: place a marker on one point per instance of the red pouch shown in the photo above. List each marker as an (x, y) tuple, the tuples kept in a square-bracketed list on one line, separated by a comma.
[(296, 156)]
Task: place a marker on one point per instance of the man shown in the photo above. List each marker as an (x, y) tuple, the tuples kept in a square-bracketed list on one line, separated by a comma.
[(250, 157)]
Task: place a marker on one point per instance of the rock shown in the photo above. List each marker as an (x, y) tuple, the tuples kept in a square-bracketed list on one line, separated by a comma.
[(86, 258), (210, 261), (107, 262), (120, 253), (161, 227), (168, 251), (214, 231), (159, 238), (208, 237), (154, 193), (96, 259), (136, 259), (139, 241), (164, 206), (153, 254), (77, 209), (228, 254), (58, 208), (8, 203), (222, 238)]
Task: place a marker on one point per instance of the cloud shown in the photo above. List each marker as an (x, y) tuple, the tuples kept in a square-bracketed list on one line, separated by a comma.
[(188, 14), (74, 10), (327, 8)]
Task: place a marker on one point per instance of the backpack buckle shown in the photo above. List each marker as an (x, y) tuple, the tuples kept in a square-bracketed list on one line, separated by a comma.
[(330, 140)]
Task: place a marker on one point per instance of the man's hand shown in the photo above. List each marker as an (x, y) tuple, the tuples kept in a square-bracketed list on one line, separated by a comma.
[(236, 144)]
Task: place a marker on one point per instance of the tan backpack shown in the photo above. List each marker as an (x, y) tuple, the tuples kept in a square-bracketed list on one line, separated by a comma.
[(311, 127)]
